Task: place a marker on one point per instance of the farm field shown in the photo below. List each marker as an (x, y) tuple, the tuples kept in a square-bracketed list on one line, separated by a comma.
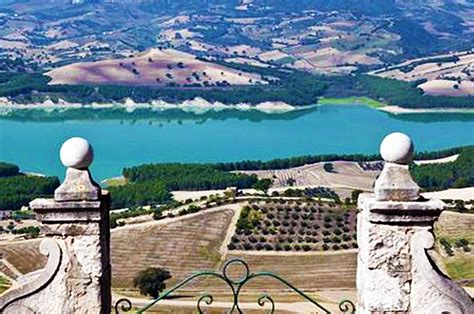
[(346, 175), (443, 75), (294, 226), (179, 245)]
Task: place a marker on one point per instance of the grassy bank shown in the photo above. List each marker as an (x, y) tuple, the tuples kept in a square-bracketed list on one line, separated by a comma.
[(4, 284), (372, 103)]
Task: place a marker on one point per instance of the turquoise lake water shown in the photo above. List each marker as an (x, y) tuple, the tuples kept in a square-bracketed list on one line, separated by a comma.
[(125, 139)]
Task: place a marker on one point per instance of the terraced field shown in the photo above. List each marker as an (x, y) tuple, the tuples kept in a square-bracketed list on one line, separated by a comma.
[(345, 175), (181, 246), (454, 226), (24, 255), (310, 271)]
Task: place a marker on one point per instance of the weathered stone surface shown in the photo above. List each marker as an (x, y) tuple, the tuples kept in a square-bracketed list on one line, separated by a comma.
[(433, 291), (395, 273), (77, 277), (396, 184), (400, 211), (73, 229), (78, 185)]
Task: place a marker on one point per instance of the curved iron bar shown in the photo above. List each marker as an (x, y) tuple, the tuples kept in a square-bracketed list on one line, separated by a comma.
[(124, 304), (286, 283), (347, 306), (183, 283), (263, 299), (206, 298), (235, 286)]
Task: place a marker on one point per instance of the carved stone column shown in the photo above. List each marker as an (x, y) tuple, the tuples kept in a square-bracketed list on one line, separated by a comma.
[(77, 276), (395, 272)]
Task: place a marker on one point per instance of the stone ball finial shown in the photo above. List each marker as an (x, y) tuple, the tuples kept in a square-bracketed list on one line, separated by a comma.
[(397, 148), (76, 153)]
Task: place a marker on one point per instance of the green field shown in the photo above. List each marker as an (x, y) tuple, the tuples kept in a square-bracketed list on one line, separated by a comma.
[(4, 284), (351, 100)]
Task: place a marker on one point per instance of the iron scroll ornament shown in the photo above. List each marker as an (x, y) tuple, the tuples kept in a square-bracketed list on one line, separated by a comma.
[(235, 286)]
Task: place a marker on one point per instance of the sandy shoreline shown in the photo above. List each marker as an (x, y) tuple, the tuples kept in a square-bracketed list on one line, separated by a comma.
[(197, 105), (400, 110)]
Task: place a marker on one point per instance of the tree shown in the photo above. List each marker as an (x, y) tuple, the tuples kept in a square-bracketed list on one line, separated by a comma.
[(263, 185), (328, 167), (151, 281), (355, 195)]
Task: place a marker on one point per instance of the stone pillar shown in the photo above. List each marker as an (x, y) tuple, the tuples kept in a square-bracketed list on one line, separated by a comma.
[(395, 271), (77, 276)]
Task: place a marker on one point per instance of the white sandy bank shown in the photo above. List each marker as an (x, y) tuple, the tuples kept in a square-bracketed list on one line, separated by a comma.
[(197, 105)]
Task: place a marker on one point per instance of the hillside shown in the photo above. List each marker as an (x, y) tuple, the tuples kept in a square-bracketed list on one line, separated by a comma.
[(443, 75), (153, 68), (334, 36)]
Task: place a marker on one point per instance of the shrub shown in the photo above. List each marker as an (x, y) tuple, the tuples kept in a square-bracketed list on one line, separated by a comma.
[(447, 246), (328, 167), (268, 247), (461, 242), (151, 281)]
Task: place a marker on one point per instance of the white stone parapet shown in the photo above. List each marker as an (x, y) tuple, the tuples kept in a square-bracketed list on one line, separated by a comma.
[(77, 277), (395, 272)]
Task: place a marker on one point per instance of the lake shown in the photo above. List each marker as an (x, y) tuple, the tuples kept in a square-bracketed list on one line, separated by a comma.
[(32, 139)]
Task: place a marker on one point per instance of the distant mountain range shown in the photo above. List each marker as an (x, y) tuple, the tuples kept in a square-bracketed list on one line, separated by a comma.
[(305, 34)]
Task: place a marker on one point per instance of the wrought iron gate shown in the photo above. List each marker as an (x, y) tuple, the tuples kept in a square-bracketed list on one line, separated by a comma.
[(235, 287)]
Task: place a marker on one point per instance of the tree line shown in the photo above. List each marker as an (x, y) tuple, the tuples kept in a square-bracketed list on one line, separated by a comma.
[(18, 191), (291, 86), (187, 177), (456, 174), (152, 183), (8, 170), (291, 162)]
